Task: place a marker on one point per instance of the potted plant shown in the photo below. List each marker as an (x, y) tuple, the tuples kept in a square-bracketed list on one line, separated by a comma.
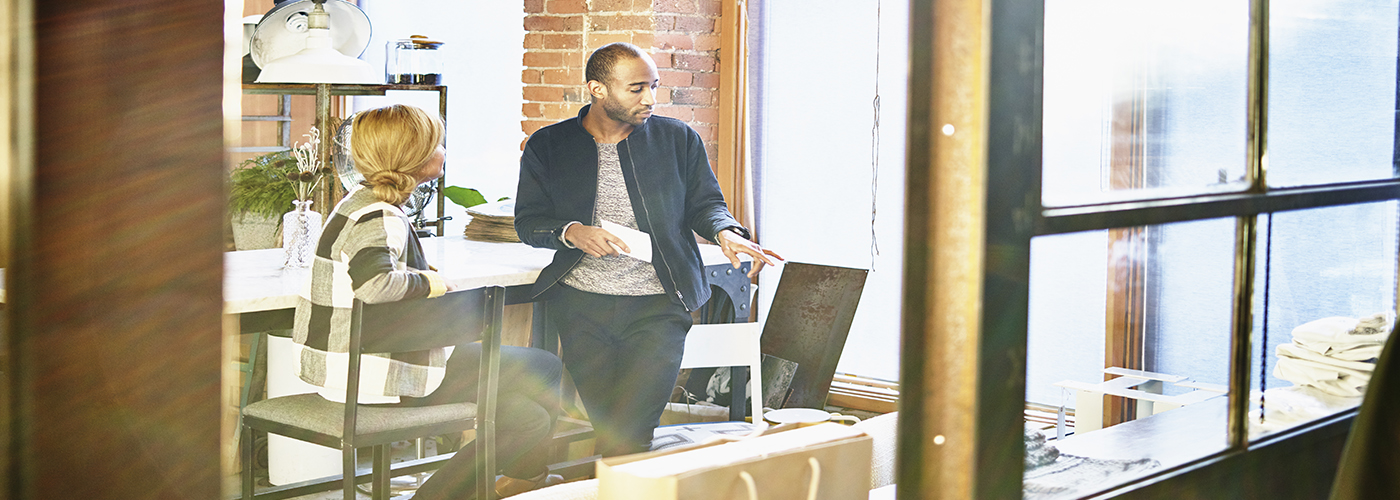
[(259, 193)]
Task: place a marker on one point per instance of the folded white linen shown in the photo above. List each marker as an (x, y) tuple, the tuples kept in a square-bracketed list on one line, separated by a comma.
[(1352, 352), (1343, 331), (1286, 351), (1334, 382), (1330, 375)]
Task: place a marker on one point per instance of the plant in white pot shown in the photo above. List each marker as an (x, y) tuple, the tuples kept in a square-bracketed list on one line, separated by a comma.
[(259, 193)]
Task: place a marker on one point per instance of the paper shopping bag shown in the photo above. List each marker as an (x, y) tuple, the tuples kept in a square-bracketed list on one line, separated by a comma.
[(826, 461)]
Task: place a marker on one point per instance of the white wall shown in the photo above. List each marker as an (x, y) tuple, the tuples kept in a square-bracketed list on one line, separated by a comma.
[(484, 46), (816, 177)]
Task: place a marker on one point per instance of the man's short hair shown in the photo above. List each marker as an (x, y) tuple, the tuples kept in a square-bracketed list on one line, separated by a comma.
[(602, 61)]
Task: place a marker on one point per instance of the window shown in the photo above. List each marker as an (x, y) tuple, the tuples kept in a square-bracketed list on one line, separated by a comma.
[(1154, 216)]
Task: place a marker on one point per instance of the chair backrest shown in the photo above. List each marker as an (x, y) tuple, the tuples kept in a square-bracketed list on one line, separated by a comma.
[(419, 324), (807, 322)]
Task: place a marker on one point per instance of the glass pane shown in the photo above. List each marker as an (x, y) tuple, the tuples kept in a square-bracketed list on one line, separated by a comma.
[(1129, 342), (1143, 99), (1331, 296), (1332, 92)]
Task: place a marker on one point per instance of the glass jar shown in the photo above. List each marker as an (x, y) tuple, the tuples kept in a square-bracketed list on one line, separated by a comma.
[(415, 60)]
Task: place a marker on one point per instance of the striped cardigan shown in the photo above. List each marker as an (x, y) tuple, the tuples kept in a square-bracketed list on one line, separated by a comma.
[(367, 251)]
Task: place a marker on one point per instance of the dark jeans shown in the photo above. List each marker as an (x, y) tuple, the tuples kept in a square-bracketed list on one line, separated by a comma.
[(624, 354), (527, 405)]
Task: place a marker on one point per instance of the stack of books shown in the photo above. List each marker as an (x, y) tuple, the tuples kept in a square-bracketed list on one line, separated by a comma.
[(493, 222)]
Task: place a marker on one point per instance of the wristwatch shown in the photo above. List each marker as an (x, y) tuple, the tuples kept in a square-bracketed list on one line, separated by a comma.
[(741, 230)]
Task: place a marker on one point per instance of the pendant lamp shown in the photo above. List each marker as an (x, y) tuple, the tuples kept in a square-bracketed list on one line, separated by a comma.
[(314, 41)]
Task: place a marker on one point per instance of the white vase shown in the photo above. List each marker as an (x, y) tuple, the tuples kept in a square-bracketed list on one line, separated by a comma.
[(301, 230)]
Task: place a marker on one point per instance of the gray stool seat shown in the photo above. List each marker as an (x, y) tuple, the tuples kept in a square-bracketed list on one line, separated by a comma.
[(313, 413)]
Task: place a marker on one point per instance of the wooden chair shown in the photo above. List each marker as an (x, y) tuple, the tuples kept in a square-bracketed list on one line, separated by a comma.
[(412, 325)]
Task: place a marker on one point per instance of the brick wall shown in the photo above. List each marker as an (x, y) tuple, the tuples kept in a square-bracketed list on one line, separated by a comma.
[(682, 36)]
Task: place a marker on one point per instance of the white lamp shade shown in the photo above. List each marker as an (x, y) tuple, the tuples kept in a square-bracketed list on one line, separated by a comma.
[(319, 63)]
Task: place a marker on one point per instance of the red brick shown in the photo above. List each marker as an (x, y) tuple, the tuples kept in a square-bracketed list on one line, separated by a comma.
[(577, 59), (534, 6), (662, 59), (675, 78), (560, 111), (543, 59), (663, 95), (708, 133), (693, 97), (573, 23), (695, 62), (596, 40), (576, 94), (707, 43), (562, 77), (531, 110), (708, 7), (620, 23), (682, 113), (693, 24), (544, 23), (560, 41), (643, 38), (566, 6), (612, 6), (530, 76), (705, 80), (674, 6), (664, 23), (542, 94), (674, 41), (712, 152), (707, 115), (530, 126)]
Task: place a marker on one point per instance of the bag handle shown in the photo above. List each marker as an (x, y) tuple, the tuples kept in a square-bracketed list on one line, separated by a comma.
[(811, 488)]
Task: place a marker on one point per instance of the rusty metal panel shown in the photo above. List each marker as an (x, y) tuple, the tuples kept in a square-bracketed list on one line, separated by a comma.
[(808, 322)]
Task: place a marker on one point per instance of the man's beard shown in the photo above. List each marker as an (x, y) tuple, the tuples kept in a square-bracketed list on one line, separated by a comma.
[(619, 113)]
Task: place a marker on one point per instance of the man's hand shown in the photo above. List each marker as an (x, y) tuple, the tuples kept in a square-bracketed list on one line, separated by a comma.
[(733, 244), (594, 240)]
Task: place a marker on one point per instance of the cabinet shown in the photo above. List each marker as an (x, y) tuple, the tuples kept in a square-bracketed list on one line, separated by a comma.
[(331, 192)]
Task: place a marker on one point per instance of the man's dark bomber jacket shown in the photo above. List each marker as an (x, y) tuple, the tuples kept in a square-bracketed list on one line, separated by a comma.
[(669, 181)]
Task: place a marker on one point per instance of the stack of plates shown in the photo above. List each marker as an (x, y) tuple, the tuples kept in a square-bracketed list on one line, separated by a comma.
[(493, 222)]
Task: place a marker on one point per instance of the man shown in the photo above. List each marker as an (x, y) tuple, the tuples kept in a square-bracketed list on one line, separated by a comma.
[(622, 321)]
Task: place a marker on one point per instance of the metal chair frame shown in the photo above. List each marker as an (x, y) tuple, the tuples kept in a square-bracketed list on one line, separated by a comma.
[(469, 313)]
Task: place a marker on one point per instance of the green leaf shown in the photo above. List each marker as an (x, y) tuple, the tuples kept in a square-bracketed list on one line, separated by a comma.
[(259, 185), (466, 197)]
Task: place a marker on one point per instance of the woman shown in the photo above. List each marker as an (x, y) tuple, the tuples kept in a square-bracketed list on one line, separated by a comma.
[(368, 251)]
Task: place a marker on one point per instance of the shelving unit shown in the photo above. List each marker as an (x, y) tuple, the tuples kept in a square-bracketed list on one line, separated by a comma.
[(331, 192)]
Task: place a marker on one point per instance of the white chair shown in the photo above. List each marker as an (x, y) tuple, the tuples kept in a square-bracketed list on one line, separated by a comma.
[(733, 345), (728, 345)]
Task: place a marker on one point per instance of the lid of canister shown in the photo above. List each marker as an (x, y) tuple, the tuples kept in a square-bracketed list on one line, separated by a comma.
[(420, 42)]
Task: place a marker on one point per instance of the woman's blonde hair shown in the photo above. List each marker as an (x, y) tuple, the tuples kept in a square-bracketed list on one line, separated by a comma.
[(390, 145)]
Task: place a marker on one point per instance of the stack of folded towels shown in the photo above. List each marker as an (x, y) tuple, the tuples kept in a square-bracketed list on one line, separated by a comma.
[(1334, 355)]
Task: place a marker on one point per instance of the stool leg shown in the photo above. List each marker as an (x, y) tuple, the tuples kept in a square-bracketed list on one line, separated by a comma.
[(380, 475), (246, 477), (347, 478)]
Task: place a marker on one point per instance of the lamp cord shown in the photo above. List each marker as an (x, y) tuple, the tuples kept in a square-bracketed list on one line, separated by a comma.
[(875, 143)]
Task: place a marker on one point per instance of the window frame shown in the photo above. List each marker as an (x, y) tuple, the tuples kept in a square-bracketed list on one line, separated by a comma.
[(947, 456)]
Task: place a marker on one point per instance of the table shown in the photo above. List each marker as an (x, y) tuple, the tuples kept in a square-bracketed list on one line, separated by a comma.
[(256, 286), (261, 295)]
